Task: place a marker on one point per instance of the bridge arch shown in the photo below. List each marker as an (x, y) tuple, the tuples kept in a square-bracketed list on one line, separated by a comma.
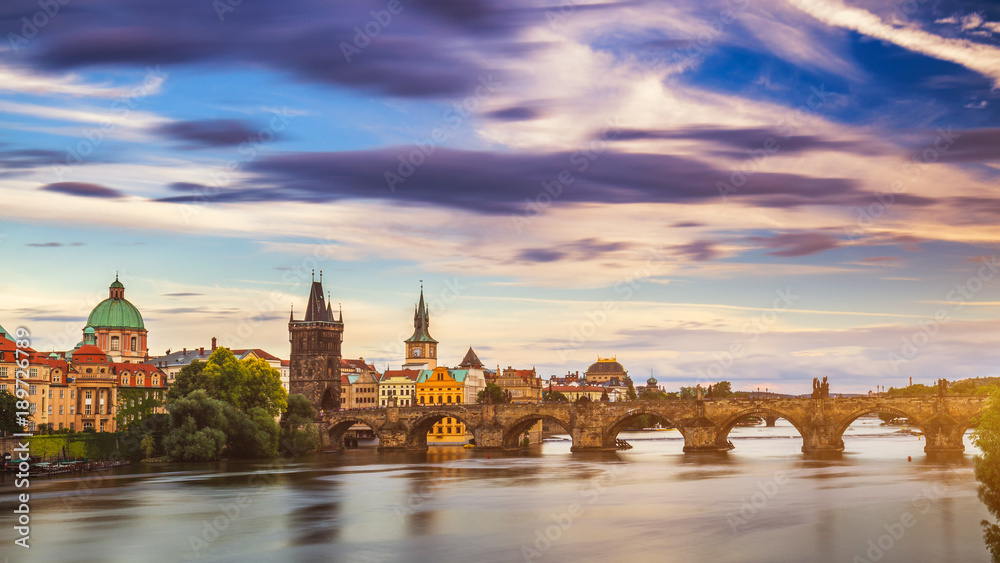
[(339, 428), (877, 409), (514, 430), (417, 434), (722, 438), (610, 433)]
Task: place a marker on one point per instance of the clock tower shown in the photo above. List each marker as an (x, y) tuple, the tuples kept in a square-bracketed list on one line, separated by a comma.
[(421, 348)]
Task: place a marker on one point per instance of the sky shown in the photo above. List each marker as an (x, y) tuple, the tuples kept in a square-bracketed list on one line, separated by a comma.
[(759, 191)]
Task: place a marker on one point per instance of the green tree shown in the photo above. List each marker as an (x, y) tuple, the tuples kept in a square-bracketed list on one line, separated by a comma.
[(197, 422), (245, 384), (9, 422), (630, 393), (136, 405), (986, 437), (556, 396), (252, 434), (189, 378), (494, 392), (722, 390), (652, 395), (298, 430)]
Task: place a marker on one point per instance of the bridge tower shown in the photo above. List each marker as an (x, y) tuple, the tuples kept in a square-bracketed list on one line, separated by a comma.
[(421, 348), (314, 367)]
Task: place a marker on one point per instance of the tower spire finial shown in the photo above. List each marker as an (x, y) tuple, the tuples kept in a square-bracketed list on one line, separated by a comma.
[(314, 274), (321, 277)]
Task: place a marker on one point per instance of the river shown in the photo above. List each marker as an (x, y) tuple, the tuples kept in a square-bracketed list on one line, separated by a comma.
[(763, 501)]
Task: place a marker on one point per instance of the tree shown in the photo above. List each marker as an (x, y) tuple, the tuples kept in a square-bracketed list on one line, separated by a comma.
[(9, 422), (493, 394), (987, 467), (189, 378), (630, 394), (196, 422), (556, 396), (722, 390), (252, 434), (136, 404), (245, 384), (298, 431), (652, 395)]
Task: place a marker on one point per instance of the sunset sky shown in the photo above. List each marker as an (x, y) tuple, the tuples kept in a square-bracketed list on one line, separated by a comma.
[(808, 185)]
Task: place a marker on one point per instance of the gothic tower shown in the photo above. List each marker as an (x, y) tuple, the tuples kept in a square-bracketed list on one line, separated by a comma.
[(421, 348), (314, 367)]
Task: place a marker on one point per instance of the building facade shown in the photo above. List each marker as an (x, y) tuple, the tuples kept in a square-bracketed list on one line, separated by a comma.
[(440, 387), (314, 364), (398, 387), (119, 330)]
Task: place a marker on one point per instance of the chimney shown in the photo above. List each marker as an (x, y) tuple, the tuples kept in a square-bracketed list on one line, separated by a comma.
[(213, 343), (185, 351), (201, 351)]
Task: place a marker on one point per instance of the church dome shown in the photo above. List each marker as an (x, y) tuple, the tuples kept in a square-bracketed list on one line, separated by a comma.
[(651, 381), (116, 311), (606, 366)]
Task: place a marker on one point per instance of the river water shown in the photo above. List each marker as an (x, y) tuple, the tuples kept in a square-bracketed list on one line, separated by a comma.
[(764, 501)]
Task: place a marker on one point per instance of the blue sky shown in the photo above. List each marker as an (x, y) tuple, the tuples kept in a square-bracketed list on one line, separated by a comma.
[(806, 182)]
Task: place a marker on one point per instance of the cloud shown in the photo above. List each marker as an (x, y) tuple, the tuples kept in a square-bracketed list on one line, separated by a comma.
[(313, 41), (516, 113), (500, 183), (182, 294), (209, 133), (52, 244), (754, 138), (29, 158), (790, 245), (540, 255), (981, 58), (83, 190), (699, 250)]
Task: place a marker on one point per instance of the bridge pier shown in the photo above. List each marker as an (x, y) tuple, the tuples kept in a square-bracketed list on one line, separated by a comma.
[(489, 437), (770, 420), (944, 440), (821, 439), (590, 439), (704, 439), (393, 437)]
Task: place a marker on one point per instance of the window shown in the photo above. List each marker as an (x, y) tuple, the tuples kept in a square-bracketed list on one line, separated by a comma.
[(31, 427), (3, 371), (60, 426), (421, 399), (115, 344), (33, 373), (88, 425), (89, 394), (102, 426), (50, 410), (72, 393), (56, 377), (449, 429), (50, 393), (62, 393), (87, 409), (138, 380), (32, 407), (72, 410), (156, 381), (134, 345), (61, 407), (3, 387), (124, 380), (32, 389)]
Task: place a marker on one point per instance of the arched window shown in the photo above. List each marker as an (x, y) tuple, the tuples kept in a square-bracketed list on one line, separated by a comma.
[(115, 343), (135, 344), (421, 400), (439, 399)]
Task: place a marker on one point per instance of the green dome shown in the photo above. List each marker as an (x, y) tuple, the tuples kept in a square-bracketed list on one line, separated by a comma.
[(117, 284), (115, 313)]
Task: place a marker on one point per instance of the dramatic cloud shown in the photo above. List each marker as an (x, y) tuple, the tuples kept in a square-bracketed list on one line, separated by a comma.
[(83, 190), (790, 245), (753, 139), (210, 132), (496, 183), (699, 250), (29, 158)]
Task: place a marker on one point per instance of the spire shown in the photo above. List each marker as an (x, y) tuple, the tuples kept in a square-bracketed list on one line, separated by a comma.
[(421, 321), (291, 313), (329, 307), (340, 306), (316, 309)]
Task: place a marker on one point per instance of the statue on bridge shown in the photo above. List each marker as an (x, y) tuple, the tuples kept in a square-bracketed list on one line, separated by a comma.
[(942, 387), (699, 392), (821, 390)]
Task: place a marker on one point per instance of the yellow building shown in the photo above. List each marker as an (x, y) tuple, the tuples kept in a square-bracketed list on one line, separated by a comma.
[(440, 386)]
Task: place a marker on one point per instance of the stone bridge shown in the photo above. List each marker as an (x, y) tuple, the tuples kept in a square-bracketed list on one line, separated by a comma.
[(704, 424)]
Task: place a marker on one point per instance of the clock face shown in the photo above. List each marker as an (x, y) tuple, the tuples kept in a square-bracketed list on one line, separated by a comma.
[(416, 352)]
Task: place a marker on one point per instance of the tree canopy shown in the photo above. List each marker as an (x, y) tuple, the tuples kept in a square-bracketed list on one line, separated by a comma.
[(986, 437), (244, 384), (9, 422)]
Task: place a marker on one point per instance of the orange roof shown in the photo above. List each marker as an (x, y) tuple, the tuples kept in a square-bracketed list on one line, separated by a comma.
[(411, 374)]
